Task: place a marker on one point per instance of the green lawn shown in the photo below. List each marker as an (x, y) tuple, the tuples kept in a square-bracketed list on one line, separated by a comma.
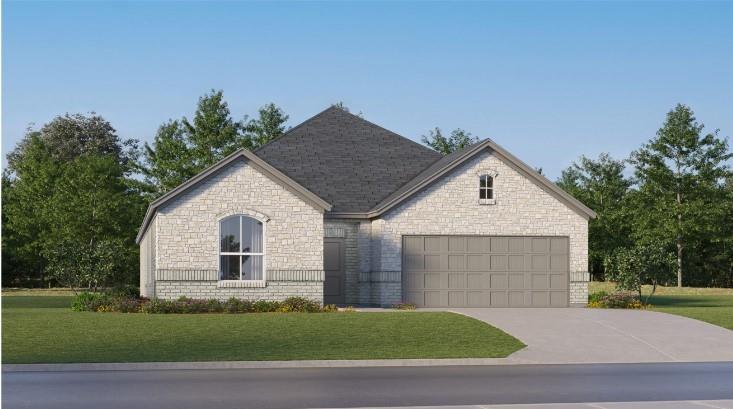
[(44, 330), (713, 305)]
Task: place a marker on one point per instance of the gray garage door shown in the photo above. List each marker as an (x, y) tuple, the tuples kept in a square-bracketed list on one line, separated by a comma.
[(483, 271)]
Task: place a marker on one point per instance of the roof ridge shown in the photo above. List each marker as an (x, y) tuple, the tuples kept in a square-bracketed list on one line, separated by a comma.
[(294, 128)]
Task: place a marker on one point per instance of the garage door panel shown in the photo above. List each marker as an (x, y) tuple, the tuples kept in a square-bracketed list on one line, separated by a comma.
[(414, 245), (476, 280), (559, 245), (433, 244), (432, 262), (558, 262), (539, 262), (499, 262), (456, 262), (485, 271), (540, 282), (432, 299), (456, 298), (540, 298), (432, 281), (456, 280), (558, 298), (540, 245), (499, 281), (498, 299), (558, 282), (516, 262), (516, 298), (457, 244), (477, 299), (516, 244), (499, 245), (477, 262), (477, 244), (516, 281)]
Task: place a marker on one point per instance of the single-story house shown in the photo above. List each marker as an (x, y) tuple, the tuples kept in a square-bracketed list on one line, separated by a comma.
[(343, 211)]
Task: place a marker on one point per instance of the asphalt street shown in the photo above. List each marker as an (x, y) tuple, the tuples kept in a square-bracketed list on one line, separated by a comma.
[(368, 387)]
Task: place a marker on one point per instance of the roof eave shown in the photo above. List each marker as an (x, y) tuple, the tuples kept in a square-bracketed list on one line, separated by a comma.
[(508, 158), (305, 194)]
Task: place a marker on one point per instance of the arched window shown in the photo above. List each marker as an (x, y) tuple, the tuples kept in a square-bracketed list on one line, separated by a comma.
[(241, 248), (486, 187)]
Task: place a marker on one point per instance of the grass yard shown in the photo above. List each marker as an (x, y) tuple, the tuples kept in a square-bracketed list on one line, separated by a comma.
[(713, 305), (42, 329)]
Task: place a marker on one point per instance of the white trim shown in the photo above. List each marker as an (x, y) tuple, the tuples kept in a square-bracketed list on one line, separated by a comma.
[(487, 201), (260, 217), (241, 284)]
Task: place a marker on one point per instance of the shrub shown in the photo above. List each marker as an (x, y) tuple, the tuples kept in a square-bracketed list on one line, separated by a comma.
[(124, 291), (87, 301), (105, 303), (624, 300), (329, 308), (596, 297), (265, 306), (404, 306), (299, 304)]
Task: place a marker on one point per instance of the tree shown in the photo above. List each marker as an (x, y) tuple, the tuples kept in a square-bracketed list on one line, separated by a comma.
[(340, 105), (184, 148), (634, 266), (169, 160), (71, 135), (679, 174), (61, 186), (457, 140), (600, 184), (269, 125)]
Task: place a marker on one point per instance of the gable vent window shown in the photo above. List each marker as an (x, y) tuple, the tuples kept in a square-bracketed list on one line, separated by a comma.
[(486, 189)]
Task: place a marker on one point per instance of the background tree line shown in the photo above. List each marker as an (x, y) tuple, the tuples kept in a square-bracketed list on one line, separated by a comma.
[(74, 194)]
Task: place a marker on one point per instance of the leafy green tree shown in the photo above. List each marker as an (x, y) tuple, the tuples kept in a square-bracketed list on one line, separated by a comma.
[(56, 191), (632, 267), (269, 125), (679, 174), (600, 184), (183, 148), (457, 140), (169, 159)]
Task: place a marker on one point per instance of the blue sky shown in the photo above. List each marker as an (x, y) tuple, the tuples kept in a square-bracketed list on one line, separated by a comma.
[(548, 81)]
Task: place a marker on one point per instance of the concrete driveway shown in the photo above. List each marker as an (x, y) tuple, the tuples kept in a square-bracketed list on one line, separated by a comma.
[(579, 335)]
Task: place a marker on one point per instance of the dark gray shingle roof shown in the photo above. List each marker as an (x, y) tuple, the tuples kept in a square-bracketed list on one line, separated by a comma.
[(348, 161)]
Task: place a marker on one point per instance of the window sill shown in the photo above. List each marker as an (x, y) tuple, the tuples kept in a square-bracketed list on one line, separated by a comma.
[(487, 201), (241, 284)]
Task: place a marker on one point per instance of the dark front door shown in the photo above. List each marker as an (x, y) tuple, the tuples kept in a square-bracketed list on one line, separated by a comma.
[(333, 264)]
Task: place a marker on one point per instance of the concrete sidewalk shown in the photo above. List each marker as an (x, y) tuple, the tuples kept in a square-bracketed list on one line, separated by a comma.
[(165, 366), (700, 404)]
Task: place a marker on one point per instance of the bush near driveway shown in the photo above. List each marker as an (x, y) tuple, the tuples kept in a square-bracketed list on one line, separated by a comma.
[(712, 305), (45, 330), (615, 300)]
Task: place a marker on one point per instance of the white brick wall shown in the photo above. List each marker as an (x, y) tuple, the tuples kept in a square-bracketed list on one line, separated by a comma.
[(451, 206), (187, 233)]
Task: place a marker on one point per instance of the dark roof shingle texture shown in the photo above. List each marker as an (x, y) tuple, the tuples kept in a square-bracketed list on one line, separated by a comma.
[(348, 161)]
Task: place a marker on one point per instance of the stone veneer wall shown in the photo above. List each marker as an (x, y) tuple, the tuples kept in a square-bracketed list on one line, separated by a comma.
[(187, 229), (451, 206)]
